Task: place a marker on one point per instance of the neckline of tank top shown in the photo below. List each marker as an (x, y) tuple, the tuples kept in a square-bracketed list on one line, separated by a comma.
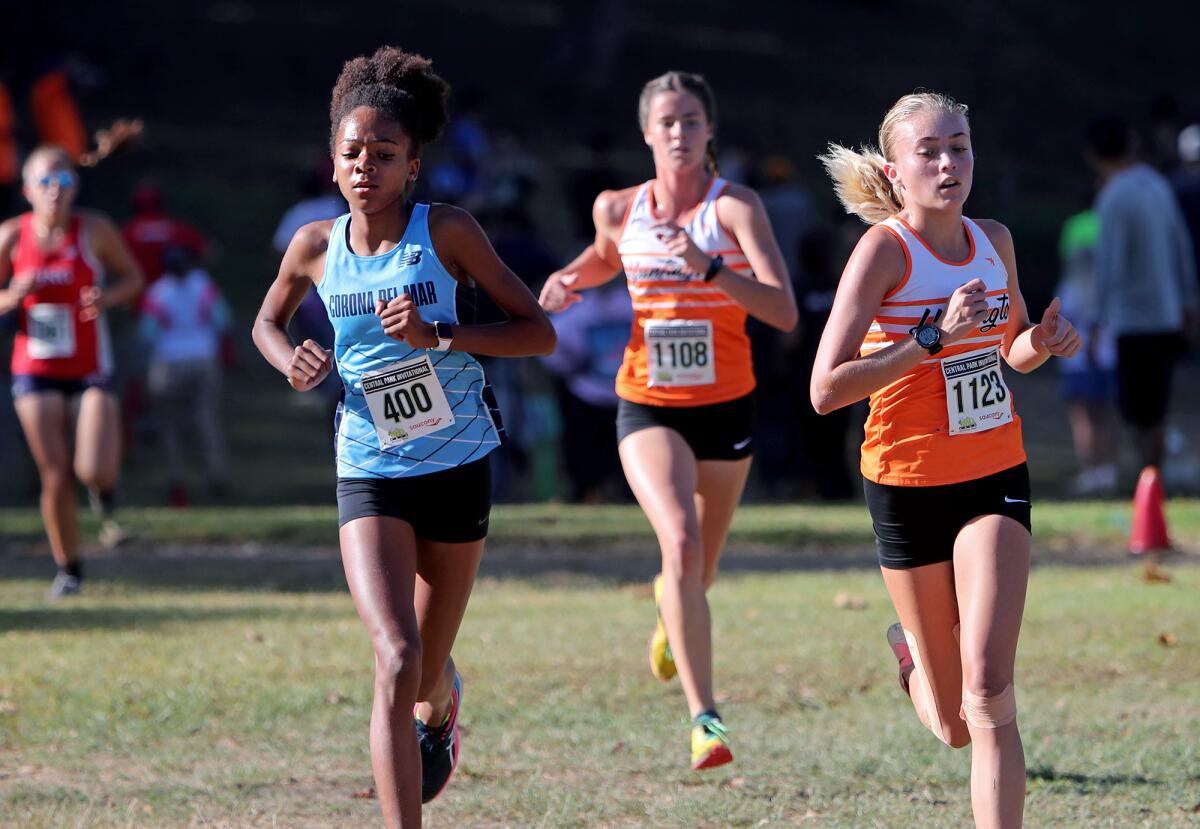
[(74, 224), (403, 237), (653, 205), (970, 242)]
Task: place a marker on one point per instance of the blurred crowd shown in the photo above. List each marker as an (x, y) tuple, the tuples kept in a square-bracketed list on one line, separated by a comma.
[(1123, 250)]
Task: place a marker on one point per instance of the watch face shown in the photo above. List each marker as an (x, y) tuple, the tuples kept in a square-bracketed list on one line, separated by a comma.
[(927, 336)]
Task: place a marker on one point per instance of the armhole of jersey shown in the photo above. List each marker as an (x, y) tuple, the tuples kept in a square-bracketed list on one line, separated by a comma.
[(84, 240), (717, 215), (437, 256), (334, 233), (629, 212), (907, 262)]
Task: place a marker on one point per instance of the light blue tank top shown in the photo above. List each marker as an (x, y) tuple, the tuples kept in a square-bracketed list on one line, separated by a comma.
[(350, 286)]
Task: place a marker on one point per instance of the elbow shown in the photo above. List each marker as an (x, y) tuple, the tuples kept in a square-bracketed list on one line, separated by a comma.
[(547, 338), (821, 397), (789, 320)]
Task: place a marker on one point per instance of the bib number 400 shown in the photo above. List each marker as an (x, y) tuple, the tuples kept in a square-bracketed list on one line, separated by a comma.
[(406, 402)]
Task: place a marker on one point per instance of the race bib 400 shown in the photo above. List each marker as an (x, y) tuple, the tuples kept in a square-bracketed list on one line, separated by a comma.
[(406, 401), (977, 398)]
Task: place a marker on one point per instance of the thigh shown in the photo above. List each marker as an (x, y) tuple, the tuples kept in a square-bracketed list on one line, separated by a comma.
[(662, 472), (719, 489), (97, 434), (44, 418), (445, 576), (379, 554), (991, 572), (925, 600)]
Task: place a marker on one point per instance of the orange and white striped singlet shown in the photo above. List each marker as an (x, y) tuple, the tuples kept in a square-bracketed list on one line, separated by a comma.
[(951, 418), (688, 343)]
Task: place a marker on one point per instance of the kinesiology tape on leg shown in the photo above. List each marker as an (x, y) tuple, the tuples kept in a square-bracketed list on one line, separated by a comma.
[(990, 712), (922, 695)]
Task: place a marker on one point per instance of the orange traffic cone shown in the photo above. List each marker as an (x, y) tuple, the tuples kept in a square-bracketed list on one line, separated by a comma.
[(1149, 532)]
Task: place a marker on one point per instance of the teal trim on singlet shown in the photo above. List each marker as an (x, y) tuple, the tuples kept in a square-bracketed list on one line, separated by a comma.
[(349, 287)]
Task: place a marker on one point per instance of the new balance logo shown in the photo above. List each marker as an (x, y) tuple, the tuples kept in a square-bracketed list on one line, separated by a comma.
[(413, 257)]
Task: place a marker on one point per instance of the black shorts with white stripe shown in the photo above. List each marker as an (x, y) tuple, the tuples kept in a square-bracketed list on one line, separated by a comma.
[(716, 432)]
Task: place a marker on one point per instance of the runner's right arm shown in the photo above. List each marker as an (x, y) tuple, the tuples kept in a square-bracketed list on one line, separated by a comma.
[(599, 261), (307, 364), (14, 292)]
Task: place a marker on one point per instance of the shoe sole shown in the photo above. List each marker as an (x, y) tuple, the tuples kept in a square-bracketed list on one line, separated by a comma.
[(661, 677), (719, 756), (457, 695)]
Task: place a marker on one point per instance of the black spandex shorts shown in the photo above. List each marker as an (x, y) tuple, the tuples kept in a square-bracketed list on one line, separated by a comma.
[(717, 432), (917, 525), (451, 506), (1145, 363), (23, 384)]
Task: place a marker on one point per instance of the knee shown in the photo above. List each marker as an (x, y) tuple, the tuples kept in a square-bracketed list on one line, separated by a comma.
[(989, 708), (57, 480), (683, 557), (398, 667)]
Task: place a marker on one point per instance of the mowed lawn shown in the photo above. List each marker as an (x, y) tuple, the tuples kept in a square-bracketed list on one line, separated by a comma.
[(225, 693)]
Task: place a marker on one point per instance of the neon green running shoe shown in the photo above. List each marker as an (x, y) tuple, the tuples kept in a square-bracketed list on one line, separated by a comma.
[(710, 742), (662, 663)]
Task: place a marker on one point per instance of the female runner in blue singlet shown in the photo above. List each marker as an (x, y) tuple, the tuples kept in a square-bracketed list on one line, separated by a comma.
[(418, 420)]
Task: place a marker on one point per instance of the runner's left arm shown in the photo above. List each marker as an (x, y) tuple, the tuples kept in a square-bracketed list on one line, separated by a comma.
[(464, 249), (1026, 346), (123, 275)]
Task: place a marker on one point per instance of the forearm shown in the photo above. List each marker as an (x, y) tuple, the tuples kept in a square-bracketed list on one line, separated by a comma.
[(273, 343), (773, 305), (514, 338), (857, 379), (9, 300), (124, 290), (590, 269), (1026, 352)]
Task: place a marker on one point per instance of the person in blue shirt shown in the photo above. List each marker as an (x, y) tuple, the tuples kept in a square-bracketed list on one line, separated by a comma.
[(417, 421)]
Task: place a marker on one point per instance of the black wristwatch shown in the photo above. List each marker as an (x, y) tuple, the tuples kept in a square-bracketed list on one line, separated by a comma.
[(927, 335), (445, 335), (714, 267)]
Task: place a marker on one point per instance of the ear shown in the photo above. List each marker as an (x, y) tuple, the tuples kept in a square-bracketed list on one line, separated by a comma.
[(646, 137), (414, 168), (893, 175)]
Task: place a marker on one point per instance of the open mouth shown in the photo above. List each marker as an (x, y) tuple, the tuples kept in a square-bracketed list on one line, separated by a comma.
[(948, 184)]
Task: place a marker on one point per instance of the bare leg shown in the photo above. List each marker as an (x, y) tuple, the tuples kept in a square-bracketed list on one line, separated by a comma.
[(925, 600), (718, 492), (98, 440), (44, 417), (380, 555), (445, 577), (662, 473), (991, 571)]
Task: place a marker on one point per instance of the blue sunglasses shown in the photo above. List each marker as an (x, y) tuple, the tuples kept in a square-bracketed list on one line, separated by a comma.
[(63, 178)]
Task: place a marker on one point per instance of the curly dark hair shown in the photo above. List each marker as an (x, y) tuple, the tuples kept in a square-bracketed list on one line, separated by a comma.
[(401, 85)]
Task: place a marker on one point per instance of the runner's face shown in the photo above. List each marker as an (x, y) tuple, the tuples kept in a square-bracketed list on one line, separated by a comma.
[(50, 186), (677, 130), (934, 164), (372, 160)]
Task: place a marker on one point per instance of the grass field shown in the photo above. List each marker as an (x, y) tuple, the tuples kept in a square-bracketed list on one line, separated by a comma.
[(203, 684)]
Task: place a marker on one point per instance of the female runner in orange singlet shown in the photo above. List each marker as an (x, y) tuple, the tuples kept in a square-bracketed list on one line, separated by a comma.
[(926, 308), (699, 256)]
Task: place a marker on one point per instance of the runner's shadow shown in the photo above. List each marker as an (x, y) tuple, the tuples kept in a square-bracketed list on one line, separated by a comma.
[(1089, 782), (69, 616)]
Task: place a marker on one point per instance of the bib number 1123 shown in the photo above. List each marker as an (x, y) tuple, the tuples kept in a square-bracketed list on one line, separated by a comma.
[(977, 398)]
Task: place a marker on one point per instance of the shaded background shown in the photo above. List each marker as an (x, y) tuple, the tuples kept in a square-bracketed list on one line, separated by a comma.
[(235, 98)]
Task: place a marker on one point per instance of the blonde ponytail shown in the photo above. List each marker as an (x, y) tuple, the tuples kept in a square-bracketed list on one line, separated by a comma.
[(860, 183)]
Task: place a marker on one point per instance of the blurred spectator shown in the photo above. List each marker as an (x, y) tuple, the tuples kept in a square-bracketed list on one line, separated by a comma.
[(1164, 132), (789, 207), (1186, 183), (1089, 379), (152, 230), (591, 343), (183, 320), (457, 177), (1145, 280)]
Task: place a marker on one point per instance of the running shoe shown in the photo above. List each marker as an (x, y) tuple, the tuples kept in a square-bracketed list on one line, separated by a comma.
[(64, 585), (111, 534), (710, 742), (439, 747), (662, 663), (895, 638)]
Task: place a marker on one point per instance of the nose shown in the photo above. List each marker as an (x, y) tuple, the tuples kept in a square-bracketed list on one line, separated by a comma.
[(363, 163), (948, 163)]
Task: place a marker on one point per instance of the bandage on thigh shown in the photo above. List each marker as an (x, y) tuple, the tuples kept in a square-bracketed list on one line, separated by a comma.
[(990, 712)]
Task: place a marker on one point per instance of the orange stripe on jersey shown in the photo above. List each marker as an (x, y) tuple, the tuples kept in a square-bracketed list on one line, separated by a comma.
[(907, 263), (935, 254)]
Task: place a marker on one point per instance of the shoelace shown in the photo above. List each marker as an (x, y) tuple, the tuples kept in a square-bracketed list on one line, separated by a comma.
[(713, 726)]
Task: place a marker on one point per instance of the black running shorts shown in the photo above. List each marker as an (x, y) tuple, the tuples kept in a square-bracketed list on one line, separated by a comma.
[(716, 432), (917, 525), (453, 506)]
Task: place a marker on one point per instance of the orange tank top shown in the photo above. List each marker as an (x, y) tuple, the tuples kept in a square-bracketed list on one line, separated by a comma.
[(951, 418), (688, 343)]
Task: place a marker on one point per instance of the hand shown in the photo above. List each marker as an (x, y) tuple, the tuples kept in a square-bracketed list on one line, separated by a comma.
[(91, 303), (401, 322), (1055, 333), (967, 307), (680, 245), (310, 364), (21, 287), (558, 294)]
